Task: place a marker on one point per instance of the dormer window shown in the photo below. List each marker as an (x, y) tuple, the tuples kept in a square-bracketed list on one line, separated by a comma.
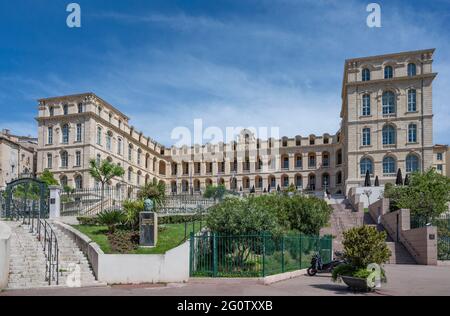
[(365, 74), (65, 109), (412, 69), (388, 72), (52, 111)]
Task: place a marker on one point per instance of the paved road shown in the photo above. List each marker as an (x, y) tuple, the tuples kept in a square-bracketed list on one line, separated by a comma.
[(402, 280)]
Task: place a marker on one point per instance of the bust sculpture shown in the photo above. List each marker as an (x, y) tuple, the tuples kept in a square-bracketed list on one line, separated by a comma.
[(148, 205)]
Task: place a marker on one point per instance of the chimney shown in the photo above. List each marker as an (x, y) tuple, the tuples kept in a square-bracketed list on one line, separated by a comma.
[(5, 131)]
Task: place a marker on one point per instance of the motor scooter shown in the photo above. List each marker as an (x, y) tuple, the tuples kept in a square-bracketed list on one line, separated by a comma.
[(317, 266)]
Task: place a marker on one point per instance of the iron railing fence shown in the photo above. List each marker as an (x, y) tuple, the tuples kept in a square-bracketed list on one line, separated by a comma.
[(2, 204), (49, 242), (254, 255), (90, 202), (443, 227)]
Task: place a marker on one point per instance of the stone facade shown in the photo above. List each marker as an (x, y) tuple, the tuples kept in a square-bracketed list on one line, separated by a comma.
[(440, 159), (387, 117), (17, 157), (393, 131)]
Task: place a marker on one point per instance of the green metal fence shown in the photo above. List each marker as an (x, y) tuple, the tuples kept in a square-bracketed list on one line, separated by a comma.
[(256, 255), (443, 227)]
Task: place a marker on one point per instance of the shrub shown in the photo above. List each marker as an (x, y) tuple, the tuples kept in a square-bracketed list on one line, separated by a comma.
[(131, 212), (88, 220), (123, 241), (112, 219), (364, 245), (155, 192), (178, 219), (272, 213)]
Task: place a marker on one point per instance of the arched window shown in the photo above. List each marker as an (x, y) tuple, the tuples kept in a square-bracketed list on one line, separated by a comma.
[(65, 134), (325, 159), (412, 133), (119, 146), (338, 178), (412, 106), (298, 181), (366, 137), (285, 162), (366, 105), (388, 103), (388, 165), (389, 135), (78, 182), (298, 161), (285, 181), (325, 181), (50, 135), (108, 141), (130, 152), (411, 69), (366, 164), (99, 136), (139, 154), (412, 163), (63, 181), (130, 172), (64, 159), (339, 157), (312, 160), (365, 74), (388, 72)]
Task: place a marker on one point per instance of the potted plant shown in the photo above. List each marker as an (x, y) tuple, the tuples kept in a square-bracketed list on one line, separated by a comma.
[(365, 250)]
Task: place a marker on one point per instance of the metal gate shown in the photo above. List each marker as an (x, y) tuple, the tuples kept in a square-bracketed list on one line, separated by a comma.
[(26, 198)]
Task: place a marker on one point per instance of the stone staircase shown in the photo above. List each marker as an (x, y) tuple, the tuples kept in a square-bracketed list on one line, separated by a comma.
[(344, 218), (28, 262)]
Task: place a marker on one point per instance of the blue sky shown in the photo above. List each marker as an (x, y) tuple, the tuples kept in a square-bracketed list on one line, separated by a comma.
[(231, 63)]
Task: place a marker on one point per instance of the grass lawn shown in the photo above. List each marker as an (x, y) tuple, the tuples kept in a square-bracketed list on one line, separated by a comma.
[(169, 236)]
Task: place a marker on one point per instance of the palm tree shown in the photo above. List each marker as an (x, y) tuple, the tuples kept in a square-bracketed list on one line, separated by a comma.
[(104, 172)]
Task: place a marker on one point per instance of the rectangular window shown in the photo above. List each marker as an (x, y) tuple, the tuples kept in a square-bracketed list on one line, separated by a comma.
[(99, 136), (49, 161), (439, 156), (79, 132), (78, 159), (412, 107), (439, 167), (366, 137), (412, 133), (50, 136)]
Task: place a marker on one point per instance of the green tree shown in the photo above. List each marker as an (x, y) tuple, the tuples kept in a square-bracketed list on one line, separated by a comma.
[(104, 172), (242, 216), (215, 192), (427, 195), (48, 177)]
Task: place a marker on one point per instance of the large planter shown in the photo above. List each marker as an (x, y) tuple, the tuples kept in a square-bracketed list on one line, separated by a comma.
[(356, 284)]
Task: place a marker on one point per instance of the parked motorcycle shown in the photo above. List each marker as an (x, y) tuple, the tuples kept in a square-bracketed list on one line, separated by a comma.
[(317, 266)]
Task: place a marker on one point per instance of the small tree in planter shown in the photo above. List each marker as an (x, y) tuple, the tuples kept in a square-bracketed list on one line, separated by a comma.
[(362, 246)]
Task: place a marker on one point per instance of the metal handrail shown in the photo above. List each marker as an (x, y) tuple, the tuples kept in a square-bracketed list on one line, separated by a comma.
[(47, 237), (49, 242)]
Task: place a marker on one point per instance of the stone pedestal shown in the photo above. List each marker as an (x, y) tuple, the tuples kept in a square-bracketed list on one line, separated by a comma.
[(55, 201), (148, 229)]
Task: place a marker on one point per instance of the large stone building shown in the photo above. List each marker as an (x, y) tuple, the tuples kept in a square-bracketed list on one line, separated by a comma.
[(386, 125), (17, 157)]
